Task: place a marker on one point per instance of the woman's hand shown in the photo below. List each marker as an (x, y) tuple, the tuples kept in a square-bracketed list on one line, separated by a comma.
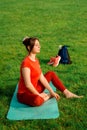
[(45, 96), (48, 96), (53, 94)]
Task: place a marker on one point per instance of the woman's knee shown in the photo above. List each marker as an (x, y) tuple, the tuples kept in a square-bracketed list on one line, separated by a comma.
[(38, 101), (52, 73)]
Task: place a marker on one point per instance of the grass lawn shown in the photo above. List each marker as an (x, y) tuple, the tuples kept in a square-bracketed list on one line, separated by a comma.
[(54, 22)]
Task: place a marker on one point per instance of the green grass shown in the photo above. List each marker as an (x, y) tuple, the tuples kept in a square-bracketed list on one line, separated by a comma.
[(54, 22)]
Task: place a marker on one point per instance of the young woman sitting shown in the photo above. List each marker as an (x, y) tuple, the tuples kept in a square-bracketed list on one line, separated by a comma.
[(33, 82)]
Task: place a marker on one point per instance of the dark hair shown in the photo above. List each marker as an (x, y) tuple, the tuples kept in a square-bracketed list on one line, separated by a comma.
[(29, 43)]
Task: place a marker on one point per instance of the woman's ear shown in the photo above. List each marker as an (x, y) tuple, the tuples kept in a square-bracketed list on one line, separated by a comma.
[(28, 48)]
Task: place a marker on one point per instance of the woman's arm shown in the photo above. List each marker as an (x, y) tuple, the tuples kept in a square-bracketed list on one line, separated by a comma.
[(29, 85), (47, 86), (27, 80)]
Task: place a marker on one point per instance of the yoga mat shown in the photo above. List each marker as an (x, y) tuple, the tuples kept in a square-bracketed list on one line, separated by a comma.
[(19, 111)]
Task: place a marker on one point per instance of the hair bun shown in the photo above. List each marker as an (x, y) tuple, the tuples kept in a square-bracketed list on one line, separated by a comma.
[(25, 40)]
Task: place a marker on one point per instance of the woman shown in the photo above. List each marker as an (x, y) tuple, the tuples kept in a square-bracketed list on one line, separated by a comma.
[(32, 82)]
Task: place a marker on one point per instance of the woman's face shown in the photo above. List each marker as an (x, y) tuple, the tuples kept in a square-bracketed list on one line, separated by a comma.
[(36, 48)]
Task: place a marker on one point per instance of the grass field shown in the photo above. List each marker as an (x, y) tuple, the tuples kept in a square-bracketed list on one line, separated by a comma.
[(54, 22)]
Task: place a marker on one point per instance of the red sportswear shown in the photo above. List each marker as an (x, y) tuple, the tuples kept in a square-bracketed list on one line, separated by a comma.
[(35, 72)]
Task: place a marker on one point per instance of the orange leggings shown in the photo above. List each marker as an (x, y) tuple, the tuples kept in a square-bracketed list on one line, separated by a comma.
[(35, 100)]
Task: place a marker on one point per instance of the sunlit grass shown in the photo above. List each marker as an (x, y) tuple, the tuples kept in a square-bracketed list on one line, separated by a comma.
[(55, 23)]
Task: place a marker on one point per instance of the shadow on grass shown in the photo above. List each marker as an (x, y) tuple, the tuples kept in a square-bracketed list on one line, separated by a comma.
[(7, 92), (7, 89), (44, 61)]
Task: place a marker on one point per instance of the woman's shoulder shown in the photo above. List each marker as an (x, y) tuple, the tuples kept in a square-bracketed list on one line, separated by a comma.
[(25, 61)]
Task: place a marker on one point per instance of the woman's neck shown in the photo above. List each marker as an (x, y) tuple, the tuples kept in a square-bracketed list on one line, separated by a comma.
[(32, 56)]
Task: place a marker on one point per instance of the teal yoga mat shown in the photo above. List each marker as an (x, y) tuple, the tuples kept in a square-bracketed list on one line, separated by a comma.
[(19, 111)]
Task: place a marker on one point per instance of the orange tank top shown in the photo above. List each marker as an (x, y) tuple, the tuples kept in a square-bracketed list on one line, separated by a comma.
[(35, 72)]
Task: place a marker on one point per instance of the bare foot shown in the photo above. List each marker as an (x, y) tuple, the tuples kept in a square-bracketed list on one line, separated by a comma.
[(69, 94)]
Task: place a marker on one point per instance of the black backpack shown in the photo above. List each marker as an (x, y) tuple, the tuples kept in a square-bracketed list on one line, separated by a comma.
[(64, 54)]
